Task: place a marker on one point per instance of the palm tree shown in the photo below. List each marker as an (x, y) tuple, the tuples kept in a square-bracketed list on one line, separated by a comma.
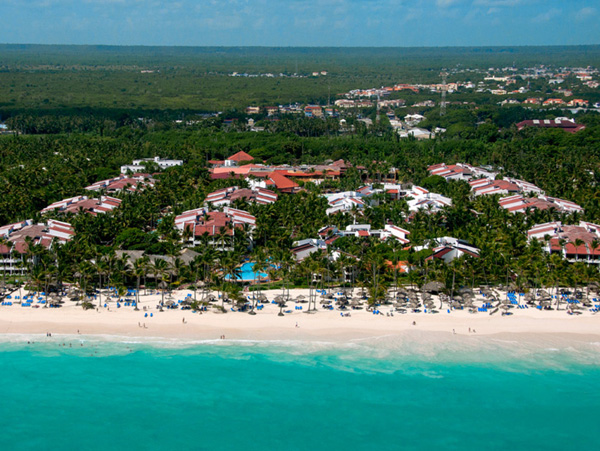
[(194, 267), (160, 270), (5, 243), (139, 270)]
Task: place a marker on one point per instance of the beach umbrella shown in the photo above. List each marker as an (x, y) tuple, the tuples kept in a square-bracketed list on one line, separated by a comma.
[(433, 287)]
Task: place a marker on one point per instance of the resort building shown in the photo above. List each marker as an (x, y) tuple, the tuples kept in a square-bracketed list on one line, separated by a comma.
[(138, 165), (123, 182), (226, 196), (448, 248), (507, 186), (84, 204), (389, 231), (13, 255), (520, 204), (214, 228), (282, 177), (304, 248), (422, 199), (345, 201), (460, 171), (572, 242)]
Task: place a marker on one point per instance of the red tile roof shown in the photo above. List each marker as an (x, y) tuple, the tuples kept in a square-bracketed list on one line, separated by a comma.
[(241, 156), (282, 182)]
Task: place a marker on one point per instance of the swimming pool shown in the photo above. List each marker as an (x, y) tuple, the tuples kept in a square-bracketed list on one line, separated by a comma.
[(247, 274)]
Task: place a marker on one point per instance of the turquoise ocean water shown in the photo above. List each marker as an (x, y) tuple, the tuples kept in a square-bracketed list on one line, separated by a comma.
[(471, 395)]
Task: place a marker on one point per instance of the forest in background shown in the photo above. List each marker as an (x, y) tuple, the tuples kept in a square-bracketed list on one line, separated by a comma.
[(104, 79), (81, 114)]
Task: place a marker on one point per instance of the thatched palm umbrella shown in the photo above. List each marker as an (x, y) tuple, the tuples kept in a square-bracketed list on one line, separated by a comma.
[(434, 287)]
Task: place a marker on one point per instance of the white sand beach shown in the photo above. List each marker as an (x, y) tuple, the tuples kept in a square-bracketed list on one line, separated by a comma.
[(297, 324)]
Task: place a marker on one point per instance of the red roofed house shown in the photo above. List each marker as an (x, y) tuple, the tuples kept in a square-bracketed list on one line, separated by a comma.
[(130, 183), (572, 242), (13, 257), (214, 228), (283, 184), (520, 204), (237, 158), (84, 204), (226, 196), (448, 248)]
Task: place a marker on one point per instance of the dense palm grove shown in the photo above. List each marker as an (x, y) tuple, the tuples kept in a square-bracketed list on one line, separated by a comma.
[(36, 170)]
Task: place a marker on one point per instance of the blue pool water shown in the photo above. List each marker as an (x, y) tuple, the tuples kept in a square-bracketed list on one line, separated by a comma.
[(247, 274), (291, 395)]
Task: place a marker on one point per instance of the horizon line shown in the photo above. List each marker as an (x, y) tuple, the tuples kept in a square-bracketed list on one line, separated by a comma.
[(494, 46)]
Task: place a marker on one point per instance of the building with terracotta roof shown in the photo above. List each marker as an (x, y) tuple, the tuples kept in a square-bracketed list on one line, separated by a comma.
[(346, 201), (215, 228), (13, 256), (554, 102), (303, 248), (390, 231), (448, 248), (572, 242), (132, 183), (460, 171), (313, 111), (506, 187), (237, 158), (422, 199), (84, 204), (226, 196), (520, 204)]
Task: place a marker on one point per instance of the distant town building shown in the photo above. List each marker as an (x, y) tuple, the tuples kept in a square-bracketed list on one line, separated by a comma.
[(565, 124), (313, 111)]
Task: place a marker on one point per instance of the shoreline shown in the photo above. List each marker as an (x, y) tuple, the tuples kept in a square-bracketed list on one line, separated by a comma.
[(297, 325)]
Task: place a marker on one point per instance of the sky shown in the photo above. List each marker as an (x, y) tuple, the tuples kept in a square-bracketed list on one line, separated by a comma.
[(282, 23)]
